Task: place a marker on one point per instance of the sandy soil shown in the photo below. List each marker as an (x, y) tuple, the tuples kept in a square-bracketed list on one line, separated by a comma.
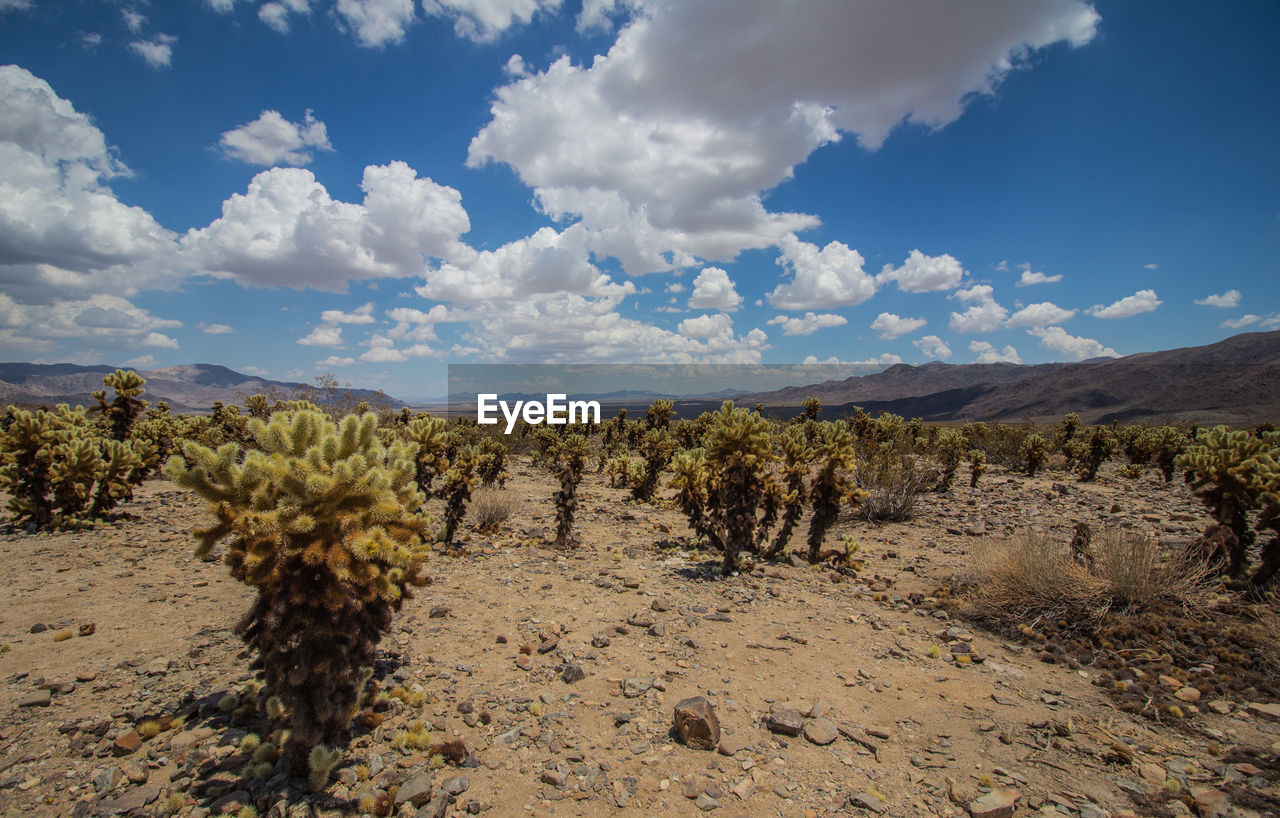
[(915, 735)]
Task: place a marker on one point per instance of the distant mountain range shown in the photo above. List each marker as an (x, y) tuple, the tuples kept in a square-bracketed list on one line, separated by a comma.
[(193, 387), (1234, 381)]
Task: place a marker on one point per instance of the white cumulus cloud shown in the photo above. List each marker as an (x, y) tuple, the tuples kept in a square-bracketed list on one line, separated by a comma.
[(883, 359), (924, 274), (276, 13), (543, 263), (706, 326), (988, 354), (217, 329), (159, 339), (983, 314), (570, 328), (809, 324), (1073, 347), (829, 277), (325, 335), (286, 230), (1227, 300), (1029, 278), (1136, 304), (376, 23), (933, 347), (157, 52), (1039, 315), (1264, 322), (890, 325), (484, 20), (360, 315), (714, 290), (63, 232), (664, 146), (273, 140)]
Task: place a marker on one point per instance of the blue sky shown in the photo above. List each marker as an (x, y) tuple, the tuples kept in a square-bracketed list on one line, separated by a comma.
[(377, 188)]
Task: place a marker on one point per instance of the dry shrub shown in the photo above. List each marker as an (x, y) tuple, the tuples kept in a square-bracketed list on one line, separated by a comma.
[(1138, 577), (1033, 577), (490, 508), (893, 480)]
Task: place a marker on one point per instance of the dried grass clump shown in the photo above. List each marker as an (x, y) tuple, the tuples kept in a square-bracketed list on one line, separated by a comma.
[(1031, 577), (1138, 576), (1035, 577), (491, 507)]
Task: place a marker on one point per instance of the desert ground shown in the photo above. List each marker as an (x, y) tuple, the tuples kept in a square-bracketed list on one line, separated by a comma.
[(901, 708)]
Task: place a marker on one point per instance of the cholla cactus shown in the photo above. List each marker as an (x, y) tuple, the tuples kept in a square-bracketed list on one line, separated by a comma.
[(1100, 446), (690, 479), (323, 522), (1167, 444), (977, 466), (459, 481), (1035, 453), (812, 406), (1138, 444), (429, 434), (1068, 427), (796, 459), (618, 469), (1130, 471), (659, 414), (737, 453), (1230, 472), (61, 472), (491, 462), (572, 455), (655, 448), (834, 454), (230, 425), (948, 445), (127, 405)]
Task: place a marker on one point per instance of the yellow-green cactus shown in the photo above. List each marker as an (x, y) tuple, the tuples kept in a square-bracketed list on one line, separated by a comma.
[(127, 405), (572, 455), (1230, 472), (796, 463), (429, 433), (324, 522), (1035, 453), (738, 450), (459, 481), (832, 483), (977, 466), (659, 414), (948, 446), (655, 448)]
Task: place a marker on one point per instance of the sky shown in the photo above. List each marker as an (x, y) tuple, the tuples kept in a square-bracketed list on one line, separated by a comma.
[(380, 188)]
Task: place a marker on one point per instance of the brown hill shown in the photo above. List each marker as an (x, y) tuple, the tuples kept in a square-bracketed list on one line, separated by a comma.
[(193, 387), (1234, 381)]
